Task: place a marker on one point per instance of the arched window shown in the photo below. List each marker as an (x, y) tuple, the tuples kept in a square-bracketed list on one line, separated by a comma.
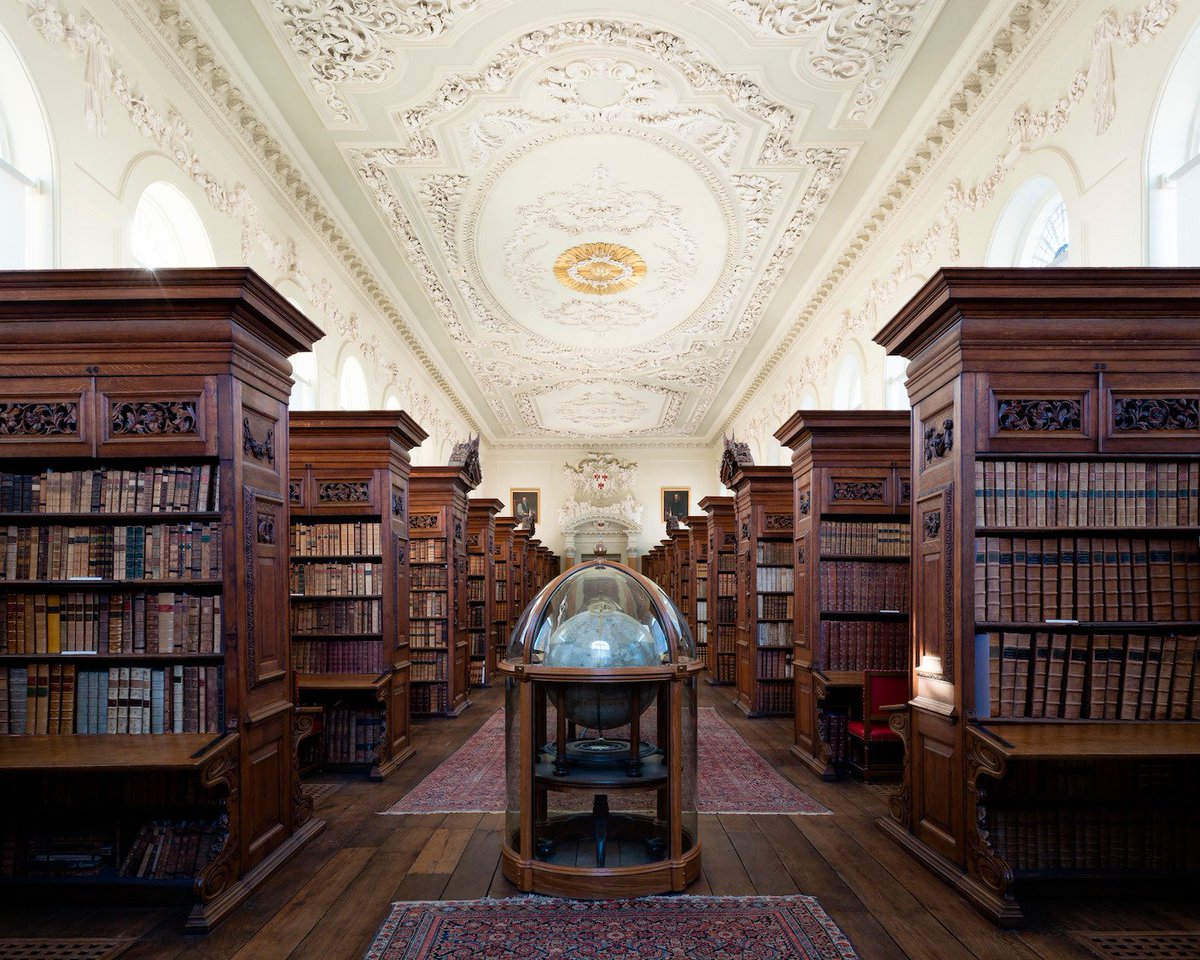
[(807, 399), (392, 402), (26, 169), (167, 231), (352, 386), (848, 388), (1033, 230), (895, 394), (304, 386), (1173, 164)]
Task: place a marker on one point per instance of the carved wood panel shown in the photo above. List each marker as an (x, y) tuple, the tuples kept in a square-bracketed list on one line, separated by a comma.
[(264, 563)]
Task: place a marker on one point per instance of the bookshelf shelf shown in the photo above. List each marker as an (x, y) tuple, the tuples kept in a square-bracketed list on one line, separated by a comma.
[(186, 408), (849, 478), (505, 607), (762, 513), (722, 590), (348, 503), (697, 572), (1047, 455), (481, 588)]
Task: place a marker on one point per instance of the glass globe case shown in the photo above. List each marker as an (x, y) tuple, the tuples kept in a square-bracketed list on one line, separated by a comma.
[(600, 682)]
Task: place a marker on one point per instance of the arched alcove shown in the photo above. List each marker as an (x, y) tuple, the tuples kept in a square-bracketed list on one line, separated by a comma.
[(166, 230), (1033, 229), (848, 385), (352, 385)]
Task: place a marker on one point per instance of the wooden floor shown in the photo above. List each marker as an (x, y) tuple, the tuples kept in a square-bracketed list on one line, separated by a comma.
[(328, 901)]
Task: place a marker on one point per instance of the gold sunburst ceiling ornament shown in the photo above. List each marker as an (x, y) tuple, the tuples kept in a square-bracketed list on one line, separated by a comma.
[(599, 268)]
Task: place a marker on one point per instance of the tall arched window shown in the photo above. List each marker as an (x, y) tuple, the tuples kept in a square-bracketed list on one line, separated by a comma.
[(895, 395), (304, 382), (167, 231), (848, 388), (1173, 164), (26, 169), (352, 386), (392, 402), (1033, 230)]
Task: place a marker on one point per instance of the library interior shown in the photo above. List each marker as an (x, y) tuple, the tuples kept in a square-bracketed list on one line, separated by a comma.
[(407, 552)]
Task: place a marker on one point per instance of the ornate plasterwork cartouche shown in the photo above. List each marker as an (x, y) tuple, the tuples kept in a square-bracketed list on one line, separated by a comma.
[(599, 269)]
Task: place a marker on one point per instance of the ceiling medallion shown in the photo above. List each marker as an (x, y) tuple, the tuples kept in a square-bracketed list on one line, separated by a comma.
[(599, 268)]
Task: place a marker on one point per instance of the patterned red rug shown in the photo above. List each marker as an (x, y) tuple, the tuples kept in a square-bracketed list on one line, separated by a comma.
[(696, 928), (733, 778)]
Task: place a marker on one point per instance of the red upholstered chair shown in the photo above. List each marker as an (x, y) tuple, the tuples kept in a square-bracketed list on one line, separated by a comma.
[(874, 749)]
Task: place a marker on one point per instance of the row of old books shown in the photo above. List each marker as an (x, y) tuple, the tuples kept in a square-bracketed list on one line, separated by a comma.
[(774, 697), (110, 623), (431, 604), (1020, 579), (1086, 494), (475, 616), (357, 538), (360, 578), (428, 578), (62, 851), (336, 616), (476, 591), (1129, 838), (775, 579), (1097, 676), (864, 586), (866, 537), (863, 645), (835, 734), (428, 666), (774, 633), (726, 609), (501, 591), (727, 584), (1144, 779), (427, 633), (177, 488), (56, 698), (726, 563), (428, 698), (476, 565), (339, 656), (774, 552), (776, 606), (172, 849), (351, 734), (174, 551), (475, 669), (427, 550), (774, 664)]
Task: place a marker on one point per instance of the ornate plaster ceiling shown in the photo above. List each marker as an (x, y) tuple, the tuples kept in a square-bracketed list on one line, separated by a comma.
[(599, 222)]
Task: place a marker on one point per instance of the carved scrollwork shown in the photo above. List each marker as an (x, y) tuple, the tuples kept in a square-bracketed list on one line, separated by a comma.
[(730, 540), (458, 531), (1038, 414), (397, 502), (900, 801), (801, 555), (932, 522), (303, 727), (342, 491), (294, 492), (39, 419), (473, 540), (266, 528), (805, 502), (736, 455), (147, 417), (778, 521), (905, 492), (263, 449), (423, 521), (1164, 413), (991, 870), (938, 443), (221, 772), (868, 491), (745, 529)]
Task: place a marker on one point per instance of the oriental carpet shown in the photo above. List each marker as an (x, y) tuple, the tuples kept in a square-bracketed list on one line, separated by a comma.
[(666, 928), (732, 777)]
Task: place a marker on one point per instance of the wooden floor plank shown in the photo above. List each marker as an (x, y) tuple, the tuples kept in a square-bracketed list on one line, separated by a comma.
[(480, 858), (760, 861), (720, 862)]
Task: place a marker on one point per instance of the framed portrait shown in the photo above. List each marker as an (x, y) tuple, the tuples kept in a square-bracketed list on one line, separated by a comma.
[(676, 503), (525, 504)]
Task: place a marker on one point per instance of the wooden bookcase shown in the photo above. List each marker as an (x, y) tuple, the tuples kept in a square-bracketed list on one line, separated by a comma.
[(437, 523), (481, 588), (145, 430), (1054, 728), (762, 508), (722, 590), (350, 583), (697, 573), (518, 576), (504, 607), (851, 492), (679, 555)]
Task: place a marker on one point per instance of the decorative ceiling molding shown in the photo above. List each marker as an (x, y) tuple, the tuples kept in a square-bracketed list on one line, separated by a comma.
[(857, 41), (1026, 129), (208, 69), (1021, 26), (602, 405), (349, 41), (661, 46)]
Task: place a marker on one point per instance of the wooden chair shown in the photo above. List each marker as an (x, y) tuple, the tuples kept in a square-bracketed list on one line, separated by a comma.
[(874, 749)]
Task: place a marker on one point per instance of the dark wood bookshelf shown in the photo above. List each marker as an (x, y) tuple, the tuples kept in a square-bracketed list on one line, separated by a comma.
[(697, 573), (722, 590), (481, 588), (126, 370)]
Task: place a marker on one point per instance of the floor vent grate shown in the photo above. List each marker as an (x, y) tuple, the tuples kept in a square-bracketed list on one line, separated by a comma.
[(59, 948), (1141, 944)]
